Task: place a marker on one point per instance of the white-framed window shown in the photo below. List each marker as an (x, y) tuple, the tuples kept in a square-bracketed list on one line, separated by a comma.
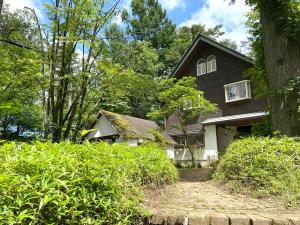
[(237, 91), (201, 67), (211, 64)]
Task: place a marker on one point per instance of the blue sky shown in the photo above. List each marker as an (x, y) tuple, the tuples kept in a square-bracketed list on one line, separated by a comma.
[(184, 12)]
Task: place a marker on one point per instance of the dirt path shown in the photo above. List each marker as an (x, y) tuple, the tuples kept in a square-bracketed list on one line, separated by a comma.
[(193, 195)]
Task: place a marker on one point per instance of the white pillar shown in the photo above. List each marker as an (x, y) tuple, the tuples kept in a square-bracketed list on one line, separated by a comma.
[(211, 144)]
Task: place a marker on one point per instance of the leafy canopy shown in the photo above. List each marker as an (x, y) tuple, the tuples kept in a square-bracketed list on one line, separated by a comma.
[(183, 98)]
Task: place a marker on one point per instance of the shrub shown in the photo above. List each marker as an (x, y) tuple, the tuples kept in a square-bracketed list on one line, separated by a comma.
[(263, 167), (66, 183)]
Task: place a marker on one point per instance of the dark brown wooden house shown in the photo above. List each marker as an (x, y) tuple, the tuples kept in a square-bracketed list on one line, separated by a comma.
[(219, 72)]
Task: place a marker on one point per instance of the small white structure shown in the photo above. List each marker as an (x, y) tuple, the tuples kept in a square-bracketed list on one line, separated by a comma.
[(116, 128)]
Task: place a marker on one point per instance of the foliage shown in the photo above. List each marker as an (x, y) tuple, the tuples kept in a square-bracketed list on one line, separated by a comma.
[(257, 73), (149, 22), (182, 99), (263, 167), (126, 91), (21, 79), (45, 183), (286, 16), (264, 129)]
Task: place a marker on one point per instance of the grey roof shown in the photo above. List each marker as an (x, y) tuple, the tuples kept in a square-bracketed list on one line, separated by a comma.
[(207, 40), (238, 117), (132, 127)]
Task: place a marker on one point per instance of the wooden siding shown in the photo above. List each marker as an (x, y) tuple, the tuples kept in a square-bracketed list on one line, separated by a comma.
[(230, 69)]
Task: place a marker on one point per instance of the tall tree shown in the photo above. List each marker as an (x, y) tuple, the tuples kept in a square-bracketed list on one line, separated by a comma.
[(21, 81), (149, 22), (281, 49), (74, 43), (184, 100)]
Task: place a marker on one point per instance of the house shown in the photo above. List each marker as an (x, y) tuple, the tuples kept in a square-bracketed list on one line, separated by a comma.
[(219, 74), (116, 128)]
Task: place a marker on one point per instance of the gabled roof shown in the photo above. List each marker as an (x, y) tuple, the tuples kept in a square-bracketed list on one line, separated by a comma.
[(201, 38), (132, 127)]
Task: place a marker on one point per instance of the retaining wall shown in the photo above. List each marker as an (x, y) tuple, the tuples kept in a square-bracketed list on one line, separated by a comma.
[(222, 219)]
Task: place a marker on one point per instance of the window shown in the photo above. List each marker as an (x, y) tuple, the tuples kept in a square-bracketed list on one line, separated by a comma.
[(193, 139), (211, 64), (237, 91), (196, 139), (179, 140), (201, 67)]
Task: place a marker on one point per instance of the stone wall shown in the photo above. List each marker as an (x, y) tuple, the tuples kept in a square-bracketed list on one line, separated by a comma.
[(222, 219)]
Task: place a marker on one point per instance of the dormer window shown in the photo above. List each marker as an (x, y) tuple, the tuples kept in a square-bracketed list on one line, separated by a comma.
[(201, 67), (237, 91), (211, 64)]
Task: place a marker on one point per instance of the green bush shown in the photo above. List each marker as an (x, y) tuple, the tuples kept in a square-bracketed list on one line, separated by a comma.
[(66, 183), (263, 167)]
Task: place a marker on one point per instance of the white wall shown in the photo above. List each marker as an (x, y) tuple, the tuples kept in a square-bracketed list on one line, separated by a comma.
[(132, 142), (184, 154), (211, 143), (170, 151), (102, 128)]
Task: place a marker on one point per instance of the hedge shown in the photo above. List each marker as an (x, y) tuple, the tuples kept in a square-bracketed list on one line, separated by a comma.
[(65, 183), (263, 167)]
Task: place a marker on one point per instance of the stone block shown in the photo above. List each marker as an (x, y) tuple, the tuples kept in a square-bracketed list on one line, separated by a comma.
[(199, 220), (158, 219), (261, 221), (295, 220), (175, 220), (239, 220), (218, 219), (281, 221)]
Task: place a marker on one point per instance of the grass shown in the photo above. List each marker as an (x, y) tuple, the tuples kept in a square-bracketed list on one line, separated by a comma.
[(65, 183)]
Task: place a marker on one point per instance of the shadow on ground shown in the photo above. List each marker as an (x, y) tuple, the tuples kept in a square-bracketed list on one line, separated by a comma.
[(195, 175)]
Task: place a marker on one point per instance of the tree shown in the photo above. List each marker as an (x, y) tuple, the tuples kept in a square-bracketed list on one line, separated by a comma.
[(149, 22), (280, 33), (126, 91), (21, 81), (1, 6), (74, 44), (182, 98)]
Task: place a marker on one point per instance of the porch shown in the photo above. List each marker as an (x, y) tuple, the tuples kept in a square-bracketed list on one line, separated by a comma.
[(214, 136)]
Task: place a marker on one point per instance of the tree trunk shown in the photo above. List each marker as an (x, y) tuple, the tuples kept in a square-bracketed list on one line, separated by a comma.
[(189, 148), (1, 6), (282, 61)]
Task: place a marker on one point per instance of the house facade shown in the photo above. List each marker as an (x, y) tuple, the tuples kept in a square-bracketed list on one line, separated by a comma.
[(117, 128), (219, 74)]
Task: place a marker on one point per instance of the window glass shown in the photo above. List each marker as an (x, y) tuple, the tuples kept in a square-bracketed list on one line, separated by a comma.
[(237, 91), (201, 67), (211, 64)]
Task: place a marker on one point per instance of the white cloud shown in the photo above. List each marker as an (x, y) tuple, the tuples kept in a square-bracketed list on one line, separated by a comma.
[(20, 4), (232, 17), (172, 4), (169, 5)]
